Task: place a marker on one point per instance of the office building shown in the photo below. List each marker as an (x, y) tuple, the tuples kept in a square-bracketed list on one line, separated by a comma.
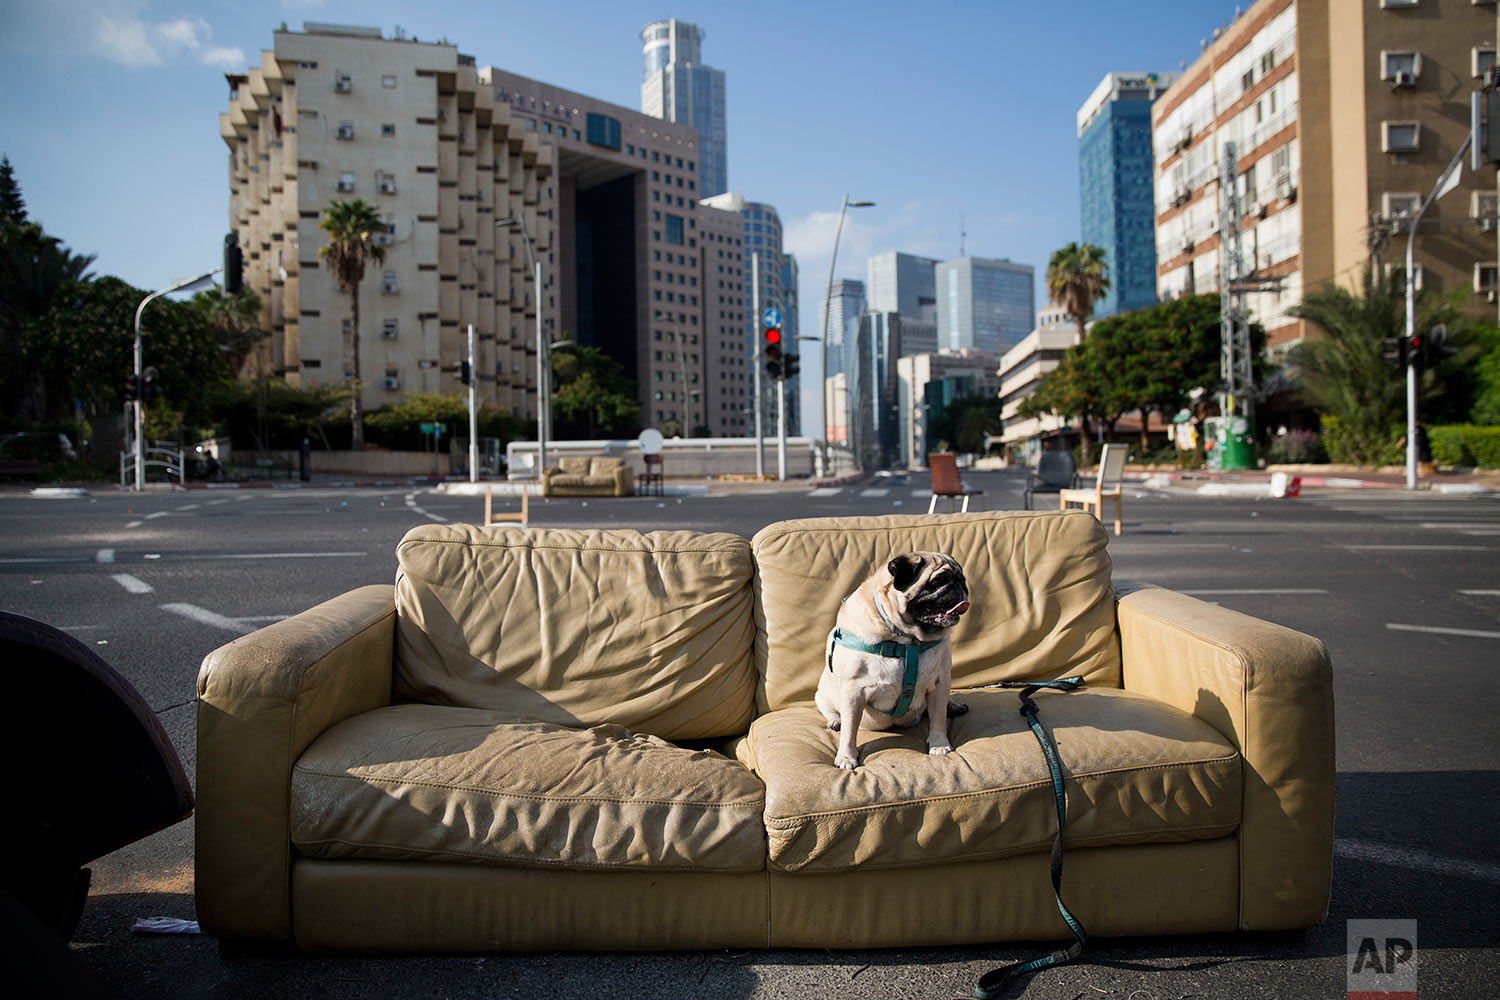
[(335, 112), (679, 88), (840, 310), (873, 431), (1021, 370), (926, 384), (907, 284), (1343, 116), (983, 304), (1115, 180), (632, 264)]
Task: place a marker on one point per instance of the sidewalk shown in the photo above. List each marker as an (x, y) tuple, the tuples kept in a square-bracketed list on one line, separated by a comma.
[(1447, 479)]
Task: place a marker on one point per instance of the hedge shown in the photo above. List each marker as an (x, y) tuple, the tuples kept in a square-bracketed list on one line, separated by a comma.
[(1465, 444)]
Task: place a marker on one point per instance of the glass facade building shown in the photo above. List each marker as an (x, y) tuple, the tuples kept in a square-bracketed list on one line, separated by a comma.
[(679, 88), (1116, 181), (983, 304)]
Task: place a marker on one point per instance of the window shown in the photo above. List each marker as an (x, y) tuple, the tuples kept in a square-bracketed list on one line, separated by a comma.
[(1267, 62), (1387, 4), (1248, 80), (388, 80), (346, 130), (1401, 68), (674, 229), (1400, 137), (1482, 206), (1482, 60), (1399, 209), (602, 130), (343, 82), (388, 331), (1485, 278), (388, 129)]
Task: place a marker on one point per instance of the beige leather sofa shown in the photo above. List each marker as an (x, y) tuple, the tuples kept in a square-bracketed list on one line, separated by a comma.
[(551, 739), (589, 476)]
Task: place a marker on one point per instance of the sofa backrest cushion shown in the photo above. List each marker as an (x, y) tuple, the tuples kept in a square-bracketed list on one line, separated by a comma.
[(574, 465), (603, 465), (652, 632), (1042, 603)]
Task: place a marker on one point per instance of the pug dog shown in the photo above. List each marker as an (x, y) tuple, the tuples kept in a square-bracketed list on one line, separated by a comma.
[(903, 612)]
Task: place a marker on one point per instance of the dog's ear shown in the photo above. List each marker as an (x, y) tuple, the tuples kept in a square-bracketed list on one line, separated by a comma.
[(904, 570)]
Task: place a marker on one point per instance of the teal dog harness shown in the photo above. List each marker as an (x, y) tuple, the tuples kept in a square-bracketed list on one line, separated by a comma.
[(907, 651)]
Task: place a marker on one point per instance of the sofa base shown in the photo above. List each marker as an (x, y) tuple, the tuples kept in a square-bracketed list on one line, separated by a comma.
[(384, 906)]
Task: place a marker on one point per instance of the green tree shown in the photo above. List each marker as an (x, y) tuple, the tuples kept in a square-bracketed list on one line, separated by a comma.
[(234, 320), (351, 227), (1077, 276), (37, 275), (1345, 374), (12, 205), (593, 390), (963, 423)]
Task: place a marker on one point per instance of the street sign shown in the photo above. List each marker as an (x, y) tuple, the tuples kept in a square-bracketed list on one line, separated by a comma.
[(772, 317), (425, 428)]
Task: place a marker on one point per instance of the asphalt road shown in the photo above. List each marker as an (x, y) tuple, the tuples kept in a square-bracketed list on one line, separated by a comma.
[(1404, 590)]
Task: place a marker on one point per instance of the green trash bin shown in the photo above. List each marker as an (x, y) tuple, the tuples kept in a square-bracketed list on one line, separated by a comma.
[(1234, 443)]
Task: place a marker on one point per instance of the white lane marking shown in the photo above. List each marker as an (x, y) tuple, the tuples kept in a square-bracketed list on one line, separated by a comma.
[(1423, 548), (875, 491), (134, 524), (1265, 590), (104, 556), (1481, 593), (205, 617), (1488, 523), (411, 501), (133, 584), (160, 513), (826, 491), (215, 503), (271, 555), (1477, 633), (191, 506), (1400, 857)]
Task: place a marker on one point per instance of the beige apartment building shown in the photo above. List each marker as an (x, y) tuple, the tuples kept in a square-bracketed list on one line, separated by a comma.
[(1022, 369), (632, 264), (1343, 115)]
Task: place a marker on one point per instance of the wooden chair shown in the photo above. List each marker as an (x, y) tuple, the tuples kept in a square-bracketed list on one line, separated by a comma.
[(1054, 472), (523, 516), (651, 478), (1106, 484), (946, 483)]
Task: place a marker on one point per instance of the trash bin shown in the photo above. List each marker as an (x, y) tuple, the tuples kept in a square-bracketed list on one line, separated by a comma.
[(1234, 443)]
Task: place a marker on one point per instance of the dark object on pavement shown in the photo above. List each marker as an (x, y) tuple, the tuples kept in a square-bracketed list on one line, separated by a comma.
[(103, 773), (1054, 472)]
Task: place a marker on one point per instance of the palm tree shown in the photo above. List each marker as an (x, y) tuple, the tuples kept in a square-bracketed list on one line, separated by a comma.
[(351, 227), (234, 318), (1077, 277)]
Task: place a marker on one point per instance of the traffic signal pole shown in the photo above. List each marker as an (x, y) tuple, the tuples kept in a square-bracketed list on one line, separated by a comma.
[(760, 441)]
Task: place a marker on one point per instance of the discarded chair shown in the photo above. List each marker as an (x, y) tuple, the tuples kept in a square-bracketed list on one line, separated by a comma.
[(1055, 471), (946, 483), (1106, 484), (651, 478), (523, 516)]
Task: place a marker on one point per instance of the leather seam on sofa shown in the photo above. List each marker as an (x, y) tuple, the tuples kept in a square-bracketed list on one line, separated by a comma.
[(523, 796), (490, 859), (535, 546), (959, 796)]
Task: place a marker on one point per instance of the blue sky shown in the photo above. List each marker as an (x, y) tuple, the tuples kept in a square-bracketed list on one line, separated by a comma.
[(935, 111)]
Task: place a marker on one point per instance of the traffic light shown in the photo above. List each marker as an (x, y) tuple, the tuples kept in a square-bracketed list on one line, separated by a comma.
[(465, 373), (773, 352), (790, 365), (1436, 346), (1416, 350), (132, 388), (1393, 350), (234, 265), (150, 388)]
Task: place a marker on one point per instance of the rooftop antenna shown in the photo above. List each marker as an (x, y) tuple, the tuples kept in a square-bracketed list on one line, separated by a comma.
[(962, 233)]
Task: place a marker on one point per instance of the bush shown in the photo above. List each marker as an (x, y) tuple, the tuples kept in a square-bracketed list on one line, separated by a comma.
[(1465, 444), (1298, 447), (1342, 447)]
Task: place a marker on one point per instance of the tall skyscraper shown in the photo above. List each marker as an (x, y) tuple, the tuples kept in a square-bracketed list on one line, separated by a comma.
[(847, 301), (1115, 176), (679, 88), (982, 303), (907, 284)]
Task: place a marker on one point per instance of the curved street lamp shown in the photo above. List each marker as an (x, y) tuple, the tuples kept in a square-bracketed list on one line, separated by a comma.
[(827, 310), (176, 286), (543, 355)]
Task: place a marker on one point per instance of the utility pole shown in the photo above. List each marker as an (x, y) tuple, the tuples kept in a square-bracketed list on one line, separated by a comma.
[(755, 362), (781, 430), (1234, 325), (473, 414)]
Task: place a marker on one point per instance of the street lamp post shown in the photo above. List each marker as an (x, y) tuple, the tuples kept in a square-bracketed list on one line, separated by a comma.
[(827, 310), (543, 355), (176, 286)]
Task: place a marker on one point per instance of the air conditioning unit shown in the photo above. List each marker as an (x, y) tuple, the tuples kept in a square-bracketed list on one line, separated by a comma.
[(390, 288), (1188, 245), (1487, 225), (346, 184), (387, 185), (383, 239), (346, 130), (1403, 78), (343, 83), (389, 330), (391, 382)]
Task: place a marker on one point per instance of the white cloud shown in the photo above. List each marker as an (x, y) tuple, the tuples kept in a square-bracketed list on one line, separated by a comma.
[(119, 31)]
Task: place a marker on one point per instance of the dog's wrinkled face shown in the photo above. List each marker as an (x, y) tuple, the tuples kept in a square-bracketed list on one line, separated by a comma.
[(928, 589)]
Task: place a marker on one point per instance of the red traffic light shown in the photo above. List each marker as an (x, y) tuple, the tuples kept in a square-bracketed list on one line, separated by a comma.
[(773, 335)]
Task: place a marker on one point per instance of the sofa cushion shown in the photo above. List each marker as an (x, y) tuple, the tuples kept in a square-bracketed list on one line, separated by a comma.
[(648, 631), (607, 466), (1040, 585), (424, 782), (574, 465), (1136, 770)]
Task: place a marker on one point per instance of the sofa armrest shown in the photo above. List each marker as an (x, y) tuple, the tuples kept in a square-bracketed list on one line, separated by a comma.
[(262, 700), (624, 484), (1269, 691)]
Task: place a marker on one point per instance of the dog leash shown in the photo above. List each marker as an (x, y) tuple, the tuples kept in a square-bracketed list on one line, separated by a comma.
[(907, 651), (989, 985)]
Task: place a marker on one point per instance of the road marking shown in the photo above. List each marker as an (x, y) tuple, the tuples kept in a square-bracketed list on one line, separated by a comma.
[(270, 555), (1424, 548), (875, 491), (1474, 632), (134, 524), (1267, 590), (826, 491), (26, 562), (1400, 857), (104, 556), (411, 501), (205, 617), (132, 584), (160, 513), (1481, 593), (215, 503), (191, 506)]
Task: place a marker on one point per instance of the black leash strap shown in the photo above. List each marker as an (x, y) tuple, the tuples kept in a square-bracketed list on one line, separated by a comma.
[(989, 985)]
